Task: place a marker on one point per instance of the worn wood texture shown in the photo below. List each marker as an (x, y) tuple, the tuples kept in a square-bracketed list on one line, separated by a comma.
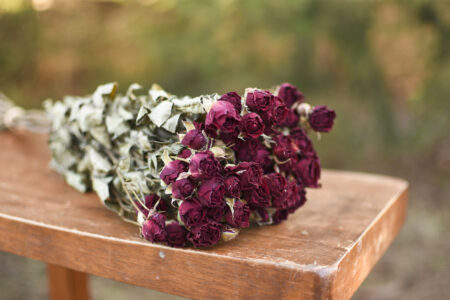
[(324, 251), (66, 284)]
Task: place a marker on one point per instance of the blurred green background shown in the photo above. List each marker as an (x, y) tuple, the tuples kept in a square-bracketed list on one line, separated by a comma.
[(383, 65)]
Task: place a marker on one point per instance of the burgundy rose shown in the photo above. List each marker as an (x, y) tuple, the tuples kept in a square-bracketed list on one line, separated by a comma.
[(296, 196), (279, 216), (206, 234), (182, 188), (277, 186), (307, 170), (259, 196), (291, 119), (185, 153), (222, 117), (211, 192), (283, 149), (176, 234), (232, 186), (280, 112), (234, 99), (241, 216), (215, 213), (229, 138), (252, 150), (194, 139), (154, 230), (250, 174), (322, 119), (259, 101), (263, 214), (191, 213), (252, 125), (290, 94), (204, 165), (171, 171), (302, 142)]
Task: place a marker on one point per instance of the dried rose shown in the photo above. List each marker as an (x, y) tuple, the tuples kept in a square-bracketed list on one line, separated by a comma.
[(291, 120), (252, 125), (307, 171), (191, 212), (230, 138), (258, 196), (194, 139), (279, 112), (252, 150), (232, 186), (176, 234), (290, 94), (182, 188), (276, 183), (259, 101), (222, 117), (283, 149), (250, 174), (185, 153), (234, 99), (215, 213), (302, 142), (296, 196), (206, 234), (154, 230), (241, 216), (204, 165), (279, 215), (322, 119), (171, 171), (211, 193)]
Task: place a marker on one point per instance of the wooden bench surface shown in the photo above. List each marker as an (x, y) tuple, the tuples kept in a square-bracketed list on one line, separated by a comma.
[(324, 251)]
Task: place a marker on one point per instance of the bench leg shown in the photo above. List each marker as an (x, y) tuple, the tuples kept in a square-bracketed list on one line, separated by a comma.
[(66, 284)]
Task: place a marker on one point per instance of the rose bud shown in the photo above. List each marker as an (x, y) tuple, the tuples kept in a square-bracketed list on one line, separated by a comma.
[(258, 196), (230, 138), (215, 213), (241, 215), (279, 112), (296, 196), (176, 234), (182, 188), (283, 149), (186, 153), (250, 174), (252, 125), (194, 139), (204, 165), (222, 117), (259, 101), (150, 202), (211, 193), (279, 216), (232, 186), (291, 120), (307, 170), (303, 143), (206, 234), (290, 94), (276, 183), (171, 171), (234, 99), (253, 150), (191, 213), (322, 119), (154, 230), (263, 215)]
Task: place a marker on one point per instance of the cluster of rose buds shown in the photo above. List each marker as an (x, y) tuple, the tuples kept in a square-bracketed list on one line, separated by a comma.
[(250, 159)]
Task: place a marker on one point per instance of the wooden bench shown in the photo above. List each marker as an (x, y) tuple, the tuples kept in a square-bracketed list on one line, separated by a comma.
[(324, 251)]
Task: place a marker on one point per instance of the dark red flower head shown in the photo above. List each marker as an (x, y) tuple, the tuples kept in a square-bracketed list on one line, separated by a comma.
[(194, 139), (234, 99), (302, 142), (252, 125), (258, 196), (222, 117), (307, 171), (176, 234), (259, 101), (211, 193), (206, 234), (191, 212), (204, 165), (252, 150), (250, 174), (322, 119), (279, 216), (182, 188), (241, 215), (283, 149), (154, 230), (171, 171), (290, 94), (232, 185)]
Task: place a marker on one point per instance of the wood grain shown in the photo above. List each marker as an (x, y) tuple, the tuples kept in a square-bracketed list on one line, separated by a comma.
[(324, 251)]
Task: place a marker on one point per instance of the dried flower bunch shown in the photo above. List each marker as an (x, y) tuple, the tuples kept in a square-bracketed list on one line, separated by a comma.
[(190, 170)]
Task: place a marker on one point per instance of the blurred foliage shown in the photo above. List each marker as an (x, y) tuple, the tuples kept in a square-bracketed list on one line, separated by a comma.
[(383, 65)]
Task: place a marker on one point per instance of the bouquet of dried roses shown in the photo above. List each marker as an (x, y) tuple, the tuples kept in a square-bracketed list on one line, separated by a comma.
[(190, 170)]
